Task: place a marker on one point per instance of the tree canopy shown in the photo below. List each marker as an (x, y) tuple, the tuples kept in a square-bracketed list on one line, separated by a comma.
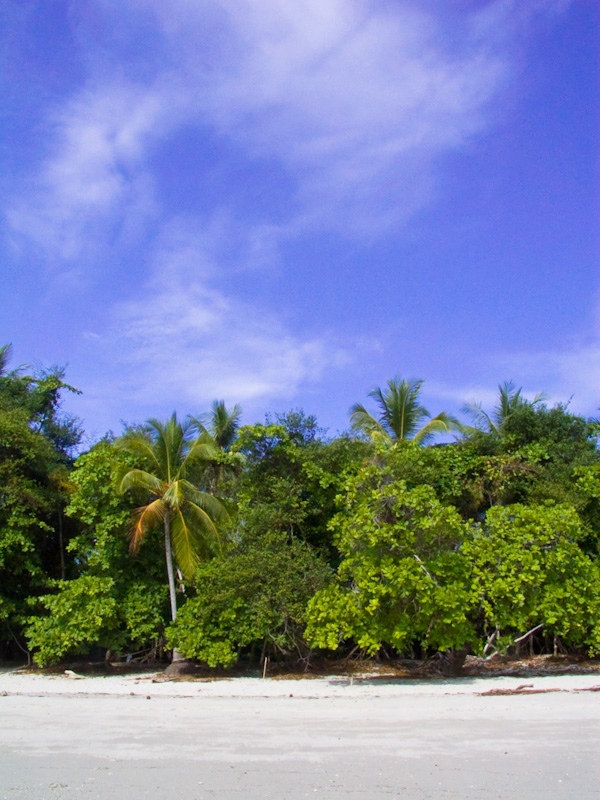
[(400, 415), (278, 541)]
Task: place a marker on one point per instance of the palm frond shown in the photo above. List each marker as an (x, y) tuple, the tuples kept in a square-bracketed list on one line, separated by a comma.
[(186, 542), (363, 422), (442, 423), (200, 423), (165, 448), (224, 423), (209, 538), (401, 412), (194, 536), (540, 397), (5, 355), (174, 494), (509, 399), (214, 507), (144, 518), (140, 444), (482, 420), (202, 448), (140, 479)]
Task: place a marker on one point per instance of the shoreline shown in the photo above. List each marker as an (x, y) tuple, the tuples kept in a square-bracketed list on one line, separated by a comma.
[(332, 686)]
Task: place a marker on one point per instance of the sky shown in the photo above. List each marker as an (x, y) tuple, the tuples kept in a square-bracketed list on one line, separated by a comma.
[(285, 204)]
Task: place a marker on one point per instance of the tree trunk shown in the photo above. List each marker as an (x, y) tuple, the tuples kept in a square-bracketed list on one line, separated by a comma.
[(170, 572)]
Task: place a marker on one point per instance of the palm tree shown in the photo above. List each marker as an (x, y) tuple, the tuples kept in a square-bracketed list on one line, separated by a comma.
[(221, 429), (510, 400), (223, 424), (401, 416), (5, 354), (188, 515)]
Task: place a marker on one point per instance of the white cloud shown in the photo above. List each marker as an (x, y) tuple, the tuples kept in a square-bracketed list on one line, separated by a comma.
[(355, 100), (190, 247), (95, 173), (570, 375), (195, 344), (181, 343)]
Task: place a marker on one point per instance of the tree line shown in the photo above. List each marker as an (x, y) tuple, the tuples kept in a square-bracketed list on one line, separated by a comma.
[(204, 538)]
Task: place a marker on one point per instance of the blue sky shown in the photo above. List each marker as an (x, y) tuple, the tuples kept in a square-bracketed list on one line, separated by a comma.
[(284, 204)]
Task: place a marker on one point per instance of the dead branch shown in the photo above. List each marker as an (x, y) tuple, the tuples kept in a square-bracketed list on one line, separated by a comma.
[(525, 635)]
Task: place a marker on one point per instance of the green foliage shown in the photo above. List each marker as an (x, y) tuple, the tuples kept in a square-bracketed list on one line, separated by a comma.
[(537, 459), (412, 572), (374, 541), (91, 612), (103, 513), (254, 595), (38, 397), (528, 570), (222, 424), (26, 459), (83, 613), (511, 402), (115, 601), (170, 458), (460, 474), (35, 442), (291, 478), (401, 416), (401, 579), (588, 480)]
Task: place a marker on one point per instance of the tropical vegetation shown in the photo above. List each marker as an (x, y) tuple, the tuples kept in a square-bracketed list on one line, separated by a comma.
[(409, 535)]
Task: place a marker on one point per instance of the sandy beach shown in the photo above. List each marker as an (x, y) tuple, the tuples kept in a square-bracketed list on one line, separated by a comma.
[(130, 737)]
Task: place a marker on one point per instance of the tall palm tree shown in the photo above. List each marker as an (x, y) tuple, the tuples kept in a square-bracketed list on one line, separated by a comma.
[(222, 424), (510, 399), (5, 354), (171, 453), (401, 416), (220, 427)]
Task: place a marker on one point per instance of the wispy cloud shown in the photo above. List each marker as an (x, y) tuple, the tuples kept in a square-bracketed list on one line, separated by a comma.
[(354, 102), (181, 341), (354, 99), (570, 375), (94, 176)]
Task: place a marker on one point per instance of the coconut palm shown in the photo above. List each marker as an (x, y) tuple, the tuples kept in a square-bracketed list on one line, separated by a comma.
[(220, 427), (401, 416), (5, 354), (171, 453), (222, 424), (510, 400)]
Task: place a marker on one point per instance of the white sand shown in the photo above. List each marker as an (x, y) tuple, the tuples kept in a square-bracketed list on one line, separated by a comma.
[(361, 686), (127, 738)]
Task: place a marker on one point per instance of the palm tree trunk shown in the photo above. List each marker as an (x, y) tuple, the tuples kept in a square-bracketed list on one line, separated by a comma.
[(170, 574), (173, 597)]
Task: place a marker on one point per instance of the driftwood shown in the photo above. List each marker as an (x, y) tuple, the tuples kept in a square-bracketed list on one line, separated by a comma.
[(73, 675), (525, 635), (526, 688)]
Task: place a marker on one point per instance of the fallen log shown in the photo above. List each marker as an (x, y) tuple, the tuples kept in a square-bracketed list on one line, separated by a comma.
[(588, 689), (518, 690)]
